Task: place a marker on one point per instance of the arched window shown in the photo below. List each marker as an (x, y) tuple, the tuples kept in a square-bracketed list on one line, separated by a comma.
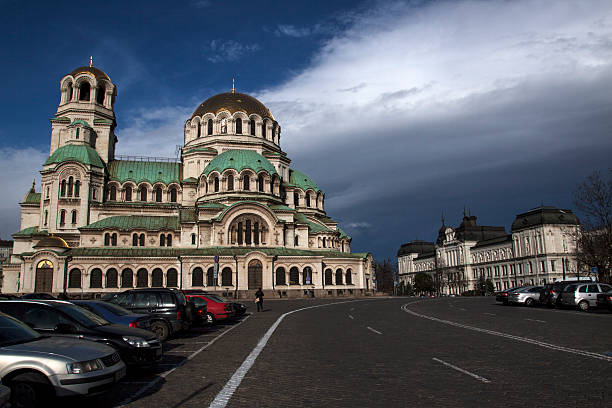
[(106, 239), (239, 126), (197, 278), (280, 276), (193, 239), (113, 193), (210, 127), (95, 278), (224, 125), (143, 193), (162, 240), (240, 233), (199, 129), (70, 185), (69, 93), (141, 240), (62, 217), (100, 94), (308, 200), (74, 278), (158, 194), (247, 232), (210, 277), (111, 278), (246, 183), (297, 240), (256, 233), (307, 276), (73, 217), (294, 276), (324, 242), (216, 181), (114, 239), (63, 189), (226, 276), (157, 278), (85, 90), (135, 240), (263, 129), (230, 182), (173, 195), (127, 278), (252, 127), (329, 277), (128, 193), (171, 278), (77, 188), (338, 276), (169, 240), (46, 217), (260, 183), (296, 198), (142, 278)]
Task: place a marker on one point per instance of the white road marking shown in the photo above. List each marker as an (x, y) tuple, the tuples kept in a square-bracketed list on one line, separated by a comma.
[(351, 317), (230, 387), (536, 320), (490, 314), (511, 336), (375, 331), (159, 378), (479, 378)]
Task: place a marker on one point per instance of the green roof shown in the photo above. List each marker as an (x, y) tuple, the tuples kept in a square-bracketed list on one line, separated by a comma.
[(150, 171), (188, 215), (301, 180), (343, 234), (313, 227), (103, 121), (132, 222), (239, 160), (216, 206), (190, 180), (76, 152), (281, 208), (32, 198), (79, 122), (60, 119), (218, 218), (28, 232)]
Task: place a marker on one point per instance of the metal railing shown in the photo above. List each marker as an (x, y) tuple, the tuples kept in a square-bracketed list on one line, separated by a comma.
[(148, 159)]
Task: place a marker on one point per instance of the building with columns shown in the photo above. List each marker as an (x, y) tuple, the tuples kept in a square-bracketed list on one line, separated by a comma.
[(229, 215), (541, 248)]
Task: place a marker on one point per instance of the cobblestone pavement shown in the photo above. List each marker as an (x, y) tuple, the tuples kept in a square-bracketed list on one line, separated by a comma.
[(387, 352)]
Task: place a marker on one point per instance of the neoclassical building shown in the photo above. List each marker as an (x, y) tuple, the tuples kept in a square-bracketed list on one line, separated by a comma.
[(230, 215), (540, 248)]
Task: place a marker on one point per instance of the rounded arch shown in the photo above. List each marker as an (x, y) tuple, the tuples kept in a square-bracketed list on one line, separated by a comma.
[(255, 274), (74, 278), (157, 278), (294, 275), (339, 276), (142, 278), (281, 278), (329, 279), (197, 277), (44, 276), (307, 275), (127, 278), (111, 278), (349, 276), (210, 276), (172, 278), (226, 276), (95, 278)]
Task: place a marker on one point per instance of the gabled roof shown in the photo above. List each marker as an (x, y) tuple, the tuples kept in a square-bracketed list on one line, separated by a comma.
[(76, 152), (239, 159), (135, 222), (149, 171)]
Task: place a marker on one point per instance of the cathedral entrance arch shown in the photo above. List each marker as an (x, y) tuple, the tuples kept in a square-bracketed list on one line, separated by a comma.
[(44, 276), (255, 274)]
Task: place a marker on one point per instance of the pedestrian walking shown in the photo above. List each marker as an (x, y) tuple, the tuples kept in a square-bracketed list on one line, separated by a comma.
[(259, 299)]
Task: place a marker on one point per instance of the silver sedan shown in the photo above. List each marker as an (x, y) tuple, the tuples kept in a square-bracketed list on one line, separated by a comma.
[(527, 295)]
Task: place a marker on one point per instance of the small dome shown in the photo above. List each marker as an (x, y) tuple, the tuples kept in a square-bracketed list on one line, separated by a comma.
[(301, 180), (51, 242), (92, 71), (239, 160), (76, 152), (232, 102)]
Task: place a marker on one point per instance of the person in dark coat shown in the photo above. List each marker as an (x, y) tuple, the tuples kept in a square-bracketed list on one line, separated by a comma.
[(259, 299)]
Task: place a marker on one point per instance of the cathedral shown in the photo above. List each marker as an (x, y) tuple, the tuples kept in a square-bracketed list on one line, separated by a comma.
[(229, 215)]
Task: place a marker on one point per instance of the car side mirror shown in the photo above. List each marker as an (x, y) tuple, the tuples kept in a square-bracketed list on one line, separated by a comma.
[(65, 328)]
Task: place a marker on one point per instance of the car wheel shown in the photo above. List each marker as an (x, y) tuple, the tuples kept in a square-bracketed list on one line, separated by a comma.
[(161, 329), (529, 302), (29, 390), (584, 305), (210, 318)]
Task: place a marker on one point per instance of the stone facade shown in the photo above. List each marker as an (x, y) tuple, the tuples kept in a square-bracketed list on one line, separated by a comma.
[(103, 223), (540, 249)]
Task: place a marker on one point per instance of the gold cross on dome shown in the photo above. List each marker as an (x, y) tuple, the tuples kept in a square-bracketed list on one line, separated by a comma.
[(233, 87), (90, 60)]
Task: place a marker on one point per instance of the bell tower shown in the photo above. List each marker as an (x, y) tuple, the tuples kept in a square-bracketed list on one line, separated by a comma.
[(85, 113)]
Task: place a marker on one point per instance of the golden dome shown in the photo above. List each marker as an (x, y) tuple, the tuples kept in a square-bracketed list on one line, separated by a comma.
[(232, 102)]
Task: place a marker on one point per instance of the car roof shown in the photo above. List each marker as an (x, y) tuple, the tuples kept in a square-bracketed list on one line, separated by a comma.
[(40, 301)]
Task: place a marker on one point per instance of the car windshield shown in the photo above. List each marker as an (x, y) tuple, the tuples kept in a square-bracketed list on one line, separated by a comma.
[(83, 316), (114, 309), (12, 331), (217, 298)]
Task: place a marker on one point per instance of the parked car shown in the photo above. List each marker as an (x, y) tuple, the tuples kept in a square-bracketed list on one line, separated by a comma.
[(239, 309), (200, 310), (63, 319), (604, 300), (527, 295), (218, 308), (116, 314), (38, 367), (583, 295), (502, 296), (550, 295), (169, 309), (40, 296)]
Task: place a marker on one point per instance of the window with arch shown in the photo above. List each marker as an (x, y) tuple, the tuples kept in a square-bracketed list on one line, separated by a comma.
[(70, 185), (169, 240), (246, 182), (256, 233), (62, 217), (252, 127), (260, 183), (74, 278), (111, 278), (134, 239), (308, 200), (69, 92), (142, 278), (226, 276), (95, 278), (113, 193), (296, 198), (263, 129), (209, 127), (157, 278), (141, 240), (158, 194), (248, 230), (338, 276), (230, 182), (210, 277), (100, 93), (172, 278), (294, 276), (77, 189), (216, 183), (107, 239), (162, 240), (280, 276), (63, 188), (73, 217), (296, 240), (142, 191), (307, 276), (114, 239), (193, 239), (173, 195), (239, 126), (199, 126), (224, 125), (127, 278), (197, 277), (349, 277), (128, 193), (84, 91), (329, 280)]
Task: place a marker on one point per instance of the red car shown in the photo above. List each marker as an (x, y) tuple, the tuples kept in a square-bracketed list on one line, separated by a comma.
[(217, 307)]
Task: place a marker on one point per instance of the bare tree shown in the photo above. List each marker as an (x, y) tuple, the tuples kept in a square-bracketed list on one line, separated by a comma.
[(593, 198), (385, 275)]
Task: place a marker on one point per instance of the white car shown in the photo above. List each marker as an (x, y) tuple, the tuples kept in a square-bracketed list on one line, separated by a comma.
[(583, 295)]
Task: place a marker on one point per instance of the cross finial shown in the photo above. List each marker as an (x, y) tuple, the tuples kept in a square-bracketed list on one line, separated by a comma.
[(33, 184), (233, 86), (91, 60)]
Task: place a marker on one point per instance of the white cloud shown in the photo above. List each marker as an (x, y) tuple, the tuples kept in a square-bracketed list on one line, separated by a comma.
[(229, 50)]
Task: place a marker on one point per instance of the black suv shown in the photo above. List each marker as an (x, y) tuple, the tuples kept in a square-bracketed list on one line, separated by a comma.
[(169, 309), (59, 318)]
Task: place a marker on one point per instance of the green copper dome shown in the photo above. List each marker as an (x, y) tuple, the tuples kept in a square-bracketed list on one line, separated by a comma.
[(76, 152), (299, 179), (239, 160)]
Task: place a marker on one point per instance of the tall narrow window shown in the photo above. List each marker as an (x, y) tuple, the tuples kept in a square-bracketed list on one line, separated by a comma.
[(114, 239), (69, 94), (239, 126), (260, 183), (100, 94), (296, 198), (106, 239), (247, 180), (85, 90), (158, 194), (240, 233), (256, 233), (70, 185), (169, 240), (78, 131), (199, 129), (47, 192), (63, 189), (62, 217), (135, 240), (224, 125), (252, 126), (162, 240), (193, 239), (77, 188), (263, 129), (173, 195), (73, 217), (230, 182), (113, 193), (143, 193), (128, 193), (308, 200), (297, 240), (141, 240), (46, 217), (216, 181), (210, 127), (247, 234)]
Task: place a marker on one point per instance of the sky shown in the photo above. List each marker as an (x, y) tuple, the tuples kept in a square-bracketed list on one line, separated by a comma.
[(401, 111)]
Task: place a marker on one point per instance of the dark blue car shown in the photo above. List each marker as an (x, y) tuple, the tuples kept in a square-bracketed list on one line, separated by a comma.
[(116, 314)]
